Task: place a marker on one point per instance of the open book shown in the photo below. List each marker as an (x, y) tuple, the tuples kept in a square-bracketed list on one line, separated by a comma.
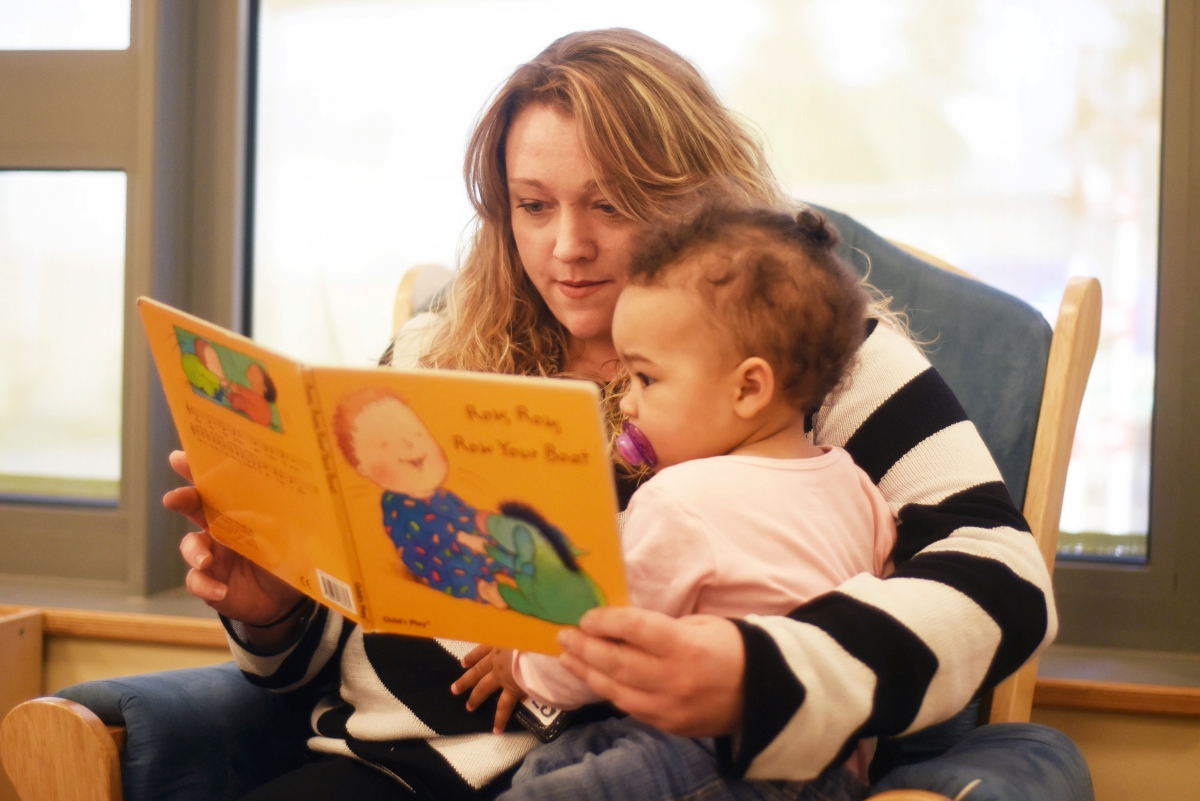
[(430, 503)]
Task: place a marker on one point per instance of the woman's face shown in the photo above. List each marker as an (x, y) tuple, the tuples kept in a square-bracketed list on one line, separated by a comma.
[(575, 247)]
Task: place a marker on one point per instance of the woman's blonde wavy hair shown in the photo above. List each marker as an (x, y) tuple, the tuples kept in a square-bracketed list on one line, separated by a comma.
[(655, 133)]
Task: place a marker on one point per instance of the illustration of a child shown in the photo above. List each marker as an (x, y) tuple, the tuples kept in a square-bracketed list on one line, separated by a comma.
[(253, 401), (734, 328), (203, 369), (440, 538)]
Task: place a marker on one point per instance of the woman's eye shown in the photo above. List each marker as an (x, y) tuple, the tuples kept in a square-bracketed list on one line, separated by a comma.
[(607, 208), (532, 206)]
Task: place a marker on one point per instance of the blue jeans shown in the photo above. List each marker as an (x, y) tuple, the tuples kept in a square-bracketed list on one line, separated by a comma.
[(621, 759)]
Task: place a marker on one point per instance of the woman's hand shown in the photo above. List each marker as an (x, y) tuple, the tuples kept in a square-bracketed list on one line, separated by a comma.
[(680, 675), (228, 582), (490, 669)]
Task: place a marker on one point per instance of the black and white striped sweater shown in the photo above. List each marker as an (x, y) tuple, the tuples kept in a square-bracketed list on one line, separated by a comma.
[(969, 603)]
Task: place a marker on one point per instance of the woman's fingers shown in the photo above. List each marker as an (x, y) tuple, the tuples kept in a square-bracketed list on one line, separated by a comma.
[(186, 501), (197, 549), (652, 632), (633, 660), (179, 463), (683, 675), (205, 587)]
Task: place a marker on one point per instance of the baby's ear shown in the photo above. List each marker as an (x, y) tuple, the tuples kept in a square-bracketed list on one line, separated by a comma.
[(755, 387)]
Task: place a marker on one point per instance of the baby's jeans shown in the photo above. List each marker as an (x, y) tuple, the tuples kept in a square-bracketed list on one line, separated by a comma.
[(621, 759)]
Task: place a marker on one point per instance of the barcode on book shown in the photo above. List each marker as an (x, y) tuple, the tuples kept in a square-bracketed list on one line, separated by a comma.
[(336, 591)]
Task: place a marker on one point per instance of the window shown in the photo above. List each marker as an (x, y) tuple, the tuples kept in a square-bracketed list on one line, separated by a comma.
[(62, 257), (64, 25), (1020, 140), (915, 118), (120, 149)]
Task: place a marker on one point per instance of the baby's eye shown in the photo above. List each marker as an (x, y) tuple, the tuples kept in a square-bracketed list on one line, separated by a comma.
[(645, 379)]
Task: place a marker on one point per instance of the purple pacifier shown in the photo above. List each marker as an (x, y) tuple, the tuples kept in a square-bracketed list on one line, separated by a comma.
[(634, 447)]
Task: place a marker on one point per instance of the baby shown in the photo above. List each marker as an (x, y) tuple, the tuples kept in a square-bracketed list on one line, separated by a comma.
[(733, 328), (437, 535)]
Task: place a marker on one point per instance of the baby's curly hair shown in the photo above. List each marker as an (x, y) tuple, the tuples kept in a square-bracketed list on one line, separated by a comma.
[(774, 283)]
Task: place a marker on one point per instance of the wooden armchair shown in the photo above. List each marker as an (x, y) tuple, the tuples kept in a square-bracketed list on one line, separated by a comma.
[(56, 749)]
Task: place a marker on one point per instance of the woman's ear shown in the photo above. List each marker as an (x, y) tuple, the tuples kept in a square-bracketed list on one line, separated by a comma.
[(755, 387)]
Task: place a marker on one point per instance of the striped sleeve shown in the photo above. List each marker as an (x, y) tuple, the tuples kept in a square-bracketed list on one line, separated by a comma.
[(318, 644), (969, 603)]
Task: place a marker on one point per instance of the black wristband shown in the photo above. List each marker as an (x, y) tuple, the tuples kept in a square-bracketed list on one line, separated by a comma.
[(278, 620)]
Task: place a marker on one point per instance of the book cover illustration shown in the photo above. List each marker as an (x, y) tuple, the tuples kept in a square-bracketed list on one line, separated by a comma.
[(480, 500), (512, 558), (229, 378), (433, 503)]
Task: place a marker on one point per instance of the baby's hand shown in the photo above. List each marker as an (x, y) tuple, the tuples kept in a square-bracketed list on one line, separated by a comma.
[(490, 669), (473, 542)]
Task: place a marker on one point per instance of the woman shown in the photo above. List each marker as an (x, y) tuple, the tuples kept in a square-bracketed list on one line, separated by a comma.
[(599, 137)]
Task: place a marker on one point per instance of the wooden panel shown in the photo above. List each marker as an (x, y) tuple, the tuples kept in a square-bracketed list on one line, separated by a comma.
[(1076, 335), (74, 660), (20, 670), (931, 259), (130, 627), (1133, 757), (1146, 699)]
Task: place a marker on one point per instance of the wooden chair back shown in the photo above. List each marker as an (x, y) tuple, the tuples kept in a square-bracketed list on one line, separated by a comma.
[(1072, 350)]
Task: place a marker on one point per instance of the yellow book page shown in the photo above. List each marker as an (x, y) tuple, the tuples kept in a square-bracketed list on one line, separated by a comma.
[(245, 423), (482, 507)]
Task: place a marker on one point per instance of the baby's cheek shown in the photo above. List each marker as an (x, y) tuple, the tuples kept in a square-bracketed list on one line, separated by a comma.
[(381, 473)]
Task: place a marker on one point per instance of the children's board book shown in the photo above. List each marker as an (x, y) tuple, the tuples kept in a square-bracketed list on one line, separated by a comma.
[(431, 503)]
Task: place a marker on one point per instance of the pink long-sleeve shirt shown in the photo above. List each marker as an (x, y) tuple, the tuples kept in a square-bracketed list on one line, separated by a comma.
[(734, 536)]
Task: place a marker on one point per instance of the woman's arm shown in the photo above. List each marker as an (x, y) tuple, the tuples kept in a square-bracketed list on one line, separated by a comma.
[(969, 603)]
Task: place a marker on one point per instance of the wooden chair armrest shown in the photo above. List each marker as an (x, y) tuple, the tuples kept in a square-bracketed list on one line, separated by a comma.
[(118, 735), (909, 795), (58, 750)]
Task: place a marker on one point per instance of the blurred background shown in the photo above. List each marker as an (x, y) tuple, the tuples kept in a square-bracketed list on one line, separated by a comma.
[(1018, 139)]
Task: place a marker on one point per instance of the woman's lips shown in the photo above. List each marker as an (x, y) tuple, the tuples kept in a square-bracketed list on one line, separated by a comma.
[(577, 290)]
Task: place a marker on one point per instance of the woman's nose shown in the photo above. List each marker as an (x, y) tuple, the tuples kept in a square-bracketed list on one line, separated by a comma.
[(574, 241)]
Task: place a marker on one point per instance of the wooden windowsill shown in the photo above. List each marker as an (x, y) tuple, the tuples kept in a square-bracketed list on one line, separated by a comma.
[(128, 626), (1108, 696)]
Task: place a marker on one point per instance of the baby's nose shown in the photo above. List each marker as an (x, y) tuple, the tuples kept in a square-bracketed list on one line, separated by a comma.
[(627, 405)]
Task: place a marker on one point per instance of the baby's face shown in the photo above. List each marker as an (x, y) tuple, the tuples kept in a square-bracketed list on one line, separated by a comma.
[(208, 355), (396, 450), (682, 371)]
